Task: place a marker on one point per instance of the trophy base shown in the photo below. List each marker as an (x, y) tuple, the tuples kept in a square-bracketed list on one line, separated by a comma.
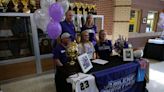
[(72, 63), (72, 69)]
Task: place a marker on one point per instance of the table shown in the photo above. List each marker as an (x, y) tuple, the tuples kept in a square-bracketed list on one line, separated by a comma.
[(114, 70), (154, 51)]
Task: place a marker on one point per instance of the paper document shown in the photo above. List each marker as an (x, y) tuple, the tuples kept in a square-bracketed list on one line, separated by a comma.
[(100, 61)]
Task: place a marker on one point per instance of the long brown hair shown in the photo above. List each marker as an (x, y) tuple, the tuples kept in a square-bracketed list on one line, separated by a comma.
[(100, 32), (87, 21)]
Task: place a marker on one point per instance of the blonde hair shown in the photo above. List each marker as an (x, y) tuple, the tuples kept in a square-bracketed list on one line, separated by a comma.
[(82, 34), (82, 41)]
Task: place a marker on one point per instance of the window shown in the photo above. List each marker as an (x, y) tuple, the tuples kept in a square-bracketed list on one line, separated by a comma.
[(135, 16), (15, 38), (151, 21)]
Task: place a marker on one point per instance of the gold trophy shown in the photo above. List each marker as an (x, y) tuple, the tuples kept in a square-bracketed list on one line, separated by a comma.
[(84, 7), (71, 5), (15, 2), (1, 3), (78, 5), (75, 6), (72, 52), (25, 4), (89, 8), (4, 4), (33, 3)]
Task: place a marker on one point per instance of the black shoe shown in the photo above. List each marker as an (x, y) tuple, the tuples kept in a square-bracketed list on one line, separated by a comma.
[(146, 90)]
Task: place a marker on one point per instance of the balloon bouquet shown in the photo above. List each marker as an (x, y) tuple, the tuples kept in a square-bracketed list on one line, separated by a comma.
[(48, 17)]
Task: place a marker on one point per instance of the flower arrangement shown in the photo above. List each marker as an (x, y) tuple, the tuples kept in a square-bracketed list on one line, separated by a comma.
[(120, 44)]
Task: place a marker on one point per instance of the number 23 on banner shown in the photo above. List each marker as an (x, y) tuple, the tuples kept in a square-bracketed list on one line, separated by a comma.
[(84, 85)]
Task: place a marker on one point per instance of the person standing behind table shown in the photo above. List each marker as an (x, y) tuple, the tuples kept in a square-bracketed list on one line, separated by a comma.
[(103, 47), (68, 26), (60, 58), (91, 28), (85, 46)]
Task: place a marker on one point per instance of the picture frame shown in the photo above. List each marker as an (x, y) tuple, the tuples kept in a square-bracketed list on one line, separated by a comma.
[(144, 20), (128, 55), (84, 62)]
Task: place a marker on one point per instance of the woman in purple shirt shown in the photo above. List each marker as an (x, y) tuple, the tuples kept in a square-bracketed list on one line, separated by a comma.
[(91, 28)]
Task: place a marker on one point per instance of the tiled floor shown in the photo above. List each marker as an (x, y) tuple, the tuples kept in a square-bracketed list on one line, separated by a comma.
[(45, 83), (42, 83), (156, 83)]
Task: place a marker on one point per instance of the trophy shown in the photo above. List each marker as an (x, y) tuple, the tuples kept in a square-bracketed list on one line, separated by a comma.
[(25, 4), (75, 8), (15, 2), (72, 52), (84, 7), (71, 6), (89, 8), (78, 5), (33, 3), (1, 3), (4, 3)]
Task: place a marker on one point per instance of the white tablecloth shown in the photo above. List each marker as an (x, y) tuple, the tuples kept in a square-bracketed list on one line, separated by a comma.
[(156, 41)]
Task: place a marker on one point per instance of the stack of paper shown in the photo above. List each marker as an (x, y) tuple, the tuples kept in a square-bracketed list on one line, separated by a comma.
[(100, 61)]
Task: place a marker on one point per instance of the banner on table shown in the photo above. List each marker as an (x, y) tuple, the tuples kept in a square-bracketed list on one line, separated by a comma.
[(117, 79)]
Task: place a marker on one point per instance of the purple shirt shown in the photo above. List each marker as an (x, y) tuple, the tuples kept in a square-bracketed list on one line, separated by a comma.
[(68, 27), (104, 49), (59, 52)]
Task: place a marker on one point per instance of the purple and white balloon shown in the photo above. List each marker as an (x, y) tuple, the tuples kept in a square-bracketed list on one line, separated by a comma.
[(54, 29), (46, 3), (42, 19)]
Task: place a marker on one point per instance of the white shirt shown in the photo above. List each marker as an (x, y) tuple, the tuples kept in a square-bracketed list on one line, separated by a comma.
[(83, 82), (88, 48)]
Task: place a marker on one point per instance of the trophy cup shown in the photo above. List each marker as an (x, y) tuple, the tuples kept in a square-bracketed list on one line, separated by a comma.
[(84, 7), (75, 8), (33, 3), (25, 4), (4, 3), (89, 9), (94, 9), (15, 2), (78, 5), (71, 6), (1, 3), (72, 52)]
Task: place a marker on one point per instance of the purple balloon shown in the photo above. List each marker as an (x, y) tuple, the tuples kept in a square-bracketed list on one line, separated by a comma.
[(54, 29), (56, 11)]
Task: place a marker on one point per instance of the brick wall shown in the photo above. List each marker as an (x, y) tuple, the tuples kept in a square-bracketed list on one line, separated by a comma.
[(105, 7)]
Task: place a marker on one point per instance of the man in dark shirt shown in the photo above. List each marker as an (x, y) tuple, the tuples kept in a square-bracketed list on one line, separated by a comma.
[(68, 26), (60, 58), (59, 52)]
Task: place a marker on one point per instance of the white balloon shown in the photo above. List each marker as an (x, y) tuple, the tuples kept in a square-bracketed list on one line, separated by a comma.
[(138, 53), (46, 3), (41, 18), (64, 4)]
